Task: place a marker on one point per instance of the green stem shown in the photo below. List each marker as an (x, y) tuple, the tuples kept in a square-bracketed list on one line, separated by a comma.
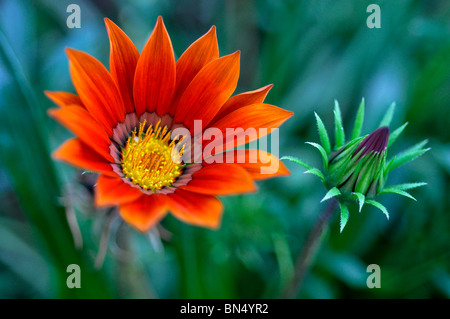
[(304, 260)]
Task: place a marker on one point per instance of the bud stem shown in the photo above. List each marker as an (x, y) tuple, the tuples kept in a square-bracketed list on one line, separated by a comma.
[(306, 256)]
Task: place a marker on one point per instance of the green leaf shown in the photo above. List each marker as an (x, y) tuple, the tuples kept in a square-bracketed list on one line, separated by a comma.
[(396, 191), (359, 120), (339, 133), (322, 152), (388, 116), (361, 198), (297, 161), (379, 206), (316, 172), (323, 134), (394, 135), (344, 216), (331, 193)]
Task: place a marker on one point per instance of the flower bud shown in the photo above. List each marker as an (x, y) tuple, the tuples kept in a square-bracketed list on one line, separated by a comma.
[(359, 165)]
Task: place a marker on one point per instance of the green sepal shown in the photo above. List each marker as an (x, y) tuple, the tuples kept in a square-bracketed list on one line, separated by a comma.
[(396, 191), (408, 155), (322, 152), (297, 161), (361, 199), (331, 193), (387, 118), (359, 120), (366, 174), (394, 135), (339, 134), (407, 186), (316, 172), (344, 216), (379, 206), (323, 134)]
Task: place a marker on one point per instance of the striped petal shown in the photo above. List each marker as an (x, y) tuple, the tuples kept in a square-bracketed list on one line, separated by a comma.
[(64, 98), (81, 123), (249, 123), (259, 164), (77, 153), (111, 191), (199, 53), (208, 91), (196, 209), (145, 212), (243, 99), (221, 179), (122, 62), (154, 80), (96, 89)]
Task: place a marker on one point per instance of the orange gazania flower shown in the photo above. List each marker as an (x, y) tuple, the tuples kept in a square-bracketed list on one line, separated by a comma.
[(123, 121)]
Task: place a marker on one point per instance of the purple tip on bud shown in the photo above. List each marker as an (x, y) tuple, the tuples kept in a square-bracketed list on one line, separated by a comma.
[(376, 142)]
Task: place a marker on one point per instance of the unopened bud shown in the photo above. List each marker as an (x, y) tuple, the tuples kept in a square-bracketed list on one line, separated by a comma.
[(358, 166)]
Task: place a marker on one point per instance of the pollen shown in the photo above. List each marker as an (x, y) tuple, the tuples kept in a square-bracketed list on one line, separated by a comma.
[(151, 159)]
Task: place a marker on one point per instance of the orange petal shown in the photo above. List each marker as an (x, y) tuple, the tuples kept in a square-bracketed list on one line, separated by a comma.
[(77, 153), (122, 62), (221, 179), (64, 98), (145, 212), (81, 123), (254, 121), (196, 209), (208, 91), (112, 191), (259, 164), (199, 53), (96, 89), (154, 80), (243, 99)]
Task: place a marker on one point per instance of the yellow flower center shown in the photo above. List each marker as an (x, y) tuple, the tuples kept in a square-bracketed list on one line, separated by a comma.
[(150, 159)]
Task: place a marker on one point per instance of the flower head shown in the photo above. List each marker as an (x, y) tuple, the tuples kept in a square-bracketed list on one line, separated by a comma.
[(357, 170), (137, 126)]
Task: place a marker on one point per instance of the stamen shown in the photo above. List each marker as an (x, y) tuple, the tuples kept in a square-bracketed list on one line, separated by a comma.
[(150, 159)]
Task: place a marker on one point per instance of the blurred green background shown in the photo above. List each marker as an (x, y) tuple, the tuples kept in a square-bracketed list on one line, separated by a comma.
[(313, 52)]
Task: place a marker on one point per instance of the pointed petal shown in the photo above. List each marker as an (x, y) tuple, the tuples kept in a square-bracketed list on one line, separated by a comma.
[(243, 99), (64, 98), (145, 212), (208, 91), (251, 122), (221, 179), (81, 123), (110, 191), (122, 62), (196, 209), (154, 80), (199, 53), (77, 153), (259, 164), (96, 89)]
